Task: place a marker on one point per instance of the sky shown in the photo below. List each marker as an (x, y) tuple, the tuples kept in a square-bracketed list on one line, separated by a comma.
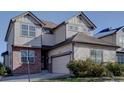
[(101, 19)]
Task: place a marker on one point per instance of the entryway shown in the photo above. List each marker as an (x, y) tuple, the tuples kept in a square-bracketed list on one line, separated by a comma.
[(44, 54)]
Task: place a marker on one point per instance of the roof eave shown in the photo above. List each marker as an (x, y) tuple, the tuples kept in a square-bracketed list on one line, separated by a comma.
[(106, 35), (31, 14), (89, 21), (6, 36), (96, 44)]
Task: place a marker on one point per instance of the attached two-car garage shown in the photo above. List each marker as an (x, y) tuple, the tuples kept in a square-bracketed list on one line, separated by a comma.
[(59, 63)]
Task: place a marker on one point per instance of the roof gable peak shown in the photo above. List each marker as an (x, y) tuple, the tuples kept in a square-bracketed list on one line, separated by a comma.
[(30, 14)]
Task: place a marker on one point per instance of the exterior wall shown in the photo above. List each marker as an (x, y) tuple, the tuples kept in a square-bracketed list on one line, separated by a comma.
[(20, 68), (8, 58), (82, 51), (6, 62), (60, 50), (25, 40), (57, 51), (114, 39), (60, 34), (110, 39), (119, 34), (48, 39), (81, 25)]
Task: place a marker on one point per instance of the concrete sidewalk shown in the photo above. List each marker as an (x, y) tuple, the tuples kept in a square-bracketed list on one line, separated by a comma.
[(34, 77)]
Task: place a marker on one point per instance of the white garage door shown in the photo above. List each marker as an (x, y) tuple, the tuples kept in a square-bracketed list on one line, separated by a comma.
[(59, 64)]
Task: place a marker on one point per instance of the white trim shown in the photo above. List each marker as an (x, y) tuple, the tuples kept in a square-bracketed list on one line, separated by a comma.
[(28, 30)]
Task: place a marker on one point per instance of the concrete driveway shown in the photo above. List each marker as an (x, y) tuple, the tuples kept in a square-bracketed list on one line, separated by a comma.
[(34, 77)]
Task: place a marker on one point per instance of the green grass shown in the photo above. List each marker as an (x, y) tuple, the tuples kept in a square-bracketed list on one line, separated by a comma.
[(86, 79)]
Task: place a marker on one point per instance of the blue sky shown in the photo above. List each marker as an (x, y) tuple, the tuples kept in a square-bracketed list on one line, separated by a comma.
[(100, 19)]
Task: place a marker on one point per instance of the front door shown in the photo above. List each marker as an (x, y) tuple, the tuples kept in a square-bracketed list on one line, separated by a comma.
[(45, 60)]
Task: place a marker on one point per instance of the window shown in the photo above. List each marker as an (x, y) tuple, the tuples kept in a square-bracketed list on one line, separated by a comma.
[(73, 27), (28, 30), (47, 31), (120, 58), (31, 31), (97, 56), (25, 30), (27, 56)]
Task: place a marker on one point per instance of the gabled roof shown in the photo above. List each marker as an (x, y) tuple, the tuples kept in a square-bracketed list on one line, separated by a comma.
[(81, 14), (49, 24), (43, 23), (85, 39), (107, 31), (30, 14), (88, 20)]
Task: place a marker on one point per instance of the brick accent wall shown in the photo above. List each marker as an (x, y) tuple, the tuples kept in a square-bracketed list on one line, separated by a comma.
[(19, 68)]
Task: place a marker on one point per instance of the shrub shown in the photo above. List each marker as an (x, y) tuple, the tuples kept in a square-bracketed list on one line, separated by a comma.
[(98, 70), (122, 67), (85, 68), (114, 68), (4, 70)]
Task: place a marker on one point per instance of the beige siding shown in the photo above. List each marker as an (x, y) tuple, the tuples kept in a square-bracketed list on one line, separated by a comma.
[(60, 50), (48, 39), (60, 34), (8, 59), (24, 40), (109, 56), (118, 35), (110, 38), (81, 26), (82, 51)]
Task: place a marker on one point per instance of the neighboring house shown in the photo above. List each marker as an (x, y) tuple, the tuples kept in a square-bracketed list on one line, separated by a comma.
[(114, 36), (48, 46)]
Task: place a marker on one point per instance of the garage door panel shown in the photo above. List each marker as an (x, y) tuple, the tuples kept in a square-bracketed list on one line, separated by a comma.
[(59, 64)]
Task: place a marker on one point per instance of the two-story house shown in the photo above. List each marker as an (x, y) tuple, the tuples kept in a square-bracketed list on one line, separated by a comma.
[(49, 46), (114, 36)]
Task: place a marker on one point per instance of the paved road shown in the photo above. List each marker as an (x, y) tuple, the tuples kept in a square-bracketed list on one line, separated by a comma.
[(34, 77)]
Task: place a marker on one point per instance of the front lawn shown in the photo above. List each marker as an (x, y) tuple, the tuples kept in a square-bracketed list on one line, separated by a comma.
[(85, 79)]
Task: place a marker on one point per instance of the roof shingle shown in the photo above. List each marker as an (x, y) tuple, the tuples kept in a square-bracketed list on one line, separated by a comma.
[(82, 37)]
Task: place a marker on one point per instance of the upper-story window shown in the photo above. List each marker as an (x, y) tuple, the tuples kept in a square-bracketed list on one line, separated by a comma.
[(73, 27), (47, 31), (27, 30), (31, 31)]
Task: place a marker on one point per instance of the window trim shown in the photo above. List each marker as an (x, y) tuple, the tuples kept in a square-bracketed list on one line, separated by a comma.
[(96, 57), (73, 27), (44, 29), (29, 25), (27, 56), (120, 57)]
